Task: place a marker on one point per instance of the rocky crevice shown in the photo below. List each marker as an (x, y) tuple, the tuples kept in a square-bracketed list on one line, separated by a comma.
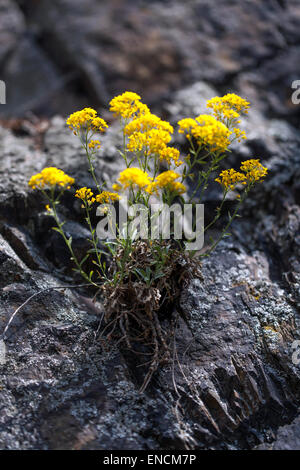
[(236, 385)]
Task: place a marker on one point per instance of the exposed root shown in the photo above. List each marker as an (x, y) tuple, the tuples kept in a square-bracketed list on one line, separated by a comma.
[(138, 315)]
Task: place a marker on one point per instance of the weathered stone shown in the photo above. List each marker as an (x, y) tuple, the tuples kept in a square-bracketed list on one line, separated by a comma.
[(98, 50), (12, 27), (63, 389), (288, 438), (31, 80)]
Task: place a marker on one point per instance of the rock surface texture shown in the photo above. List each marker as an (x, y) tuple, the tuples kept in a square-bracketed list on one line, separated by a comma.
[(235, 382), (76, 51)]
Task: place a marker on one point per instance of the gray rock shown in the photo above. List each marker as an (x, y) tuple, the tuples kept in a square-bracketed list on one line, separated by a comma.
[(288, 438), (95, 51), (237, 387), (11, 28), (190, 101), (31, 80)]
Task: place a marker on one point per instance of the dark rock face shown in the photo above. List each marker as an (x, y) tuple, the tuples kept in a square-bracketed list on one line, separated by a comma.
[(85, 52), (287, 438), (11, 28), (236, 384)]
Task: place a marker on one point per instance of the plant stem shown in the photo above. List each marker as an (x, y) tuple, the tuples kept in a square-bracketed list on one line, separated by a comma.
[(231, 218), (67, 241), (94, 239)]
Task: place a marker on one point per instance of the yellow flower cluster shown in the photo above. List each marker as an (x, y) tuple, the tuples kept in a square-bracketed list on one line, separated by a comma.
[(240, 135), (148, 131), (186, 126), (146, 122), (127, 105), (178, 187), (212, 133), (230, 178), (230, 105), (153, 141), (165, 178), (170, 155), (106, 197), (49, 178), (207, 131), (253, 171), (117, 187), (85, 194), (86, 119), (94, 143), (227, 109), (134, 177)]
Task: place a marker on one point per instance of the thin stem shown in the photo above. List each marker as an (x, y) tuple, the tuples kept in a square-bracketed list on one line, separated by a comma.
[(67, 241), (231, 218), (219, 210), (94, 239), (89, 155)]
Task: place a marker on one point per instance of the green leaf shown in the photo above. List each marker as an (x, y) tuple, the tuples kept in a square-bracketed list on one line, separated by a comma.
[(83, 260), (159, 275)]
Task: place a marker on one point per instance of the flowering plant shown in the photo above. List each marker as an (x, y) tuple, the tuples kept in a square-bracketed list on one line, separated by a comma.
[(145, 275)]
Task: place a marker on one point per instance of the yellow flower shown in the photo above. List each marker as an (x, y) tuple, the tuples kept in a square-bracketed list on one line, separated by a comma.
[(178, 187), (94, 143), (186, 126), (86, 119), (98, 124), (106, 197), (157, 140), (166, 178), (153, 141), (254, 170), (207, 131), (85, 194), (127, 105), (148, 132), (151, 188), (50, 177), (134, 176), (147, 122), (137, 141), (230, 105), (170, 155), (230, 178), (211, 133), (240, 135), (116, 187), (227, 109), (230, 114)]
